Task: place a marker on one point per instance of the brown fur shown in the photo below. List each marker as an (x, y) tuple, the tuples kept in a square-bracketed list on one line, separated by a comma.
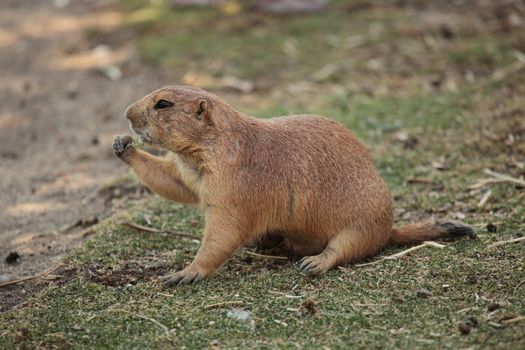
[(306, 179)]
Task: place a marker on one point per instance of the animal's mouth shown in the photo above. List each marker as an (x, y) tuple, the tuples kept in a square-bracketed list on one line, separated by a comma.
[(144, 134), (144, 139)]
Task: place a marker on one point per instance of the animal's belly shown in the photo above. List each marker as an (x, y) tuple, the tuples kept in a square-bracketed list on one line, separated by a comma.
[(292, 243), (304, 246)]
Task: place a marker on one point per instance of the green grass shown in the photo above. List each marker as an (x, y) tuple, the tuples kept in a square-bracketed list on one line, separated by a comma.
[(369, 306), (111, 297)]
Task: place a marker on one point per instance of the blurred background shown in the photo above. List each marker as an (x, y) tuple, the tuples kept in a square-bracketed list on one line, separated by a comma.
[(434, 88)]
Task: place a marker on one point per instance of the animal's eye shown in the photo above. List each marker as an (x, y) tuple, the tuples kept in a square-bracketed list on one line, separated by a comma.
[(161, 104)]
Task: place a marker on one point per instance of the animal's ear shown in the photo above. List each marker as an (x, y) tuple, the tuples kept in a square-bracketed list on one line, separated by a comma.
[(203, 111)]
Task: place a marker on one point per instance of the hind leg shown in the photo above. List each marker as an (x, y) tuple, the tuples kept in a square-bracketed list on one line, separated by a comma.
[(347, 246)]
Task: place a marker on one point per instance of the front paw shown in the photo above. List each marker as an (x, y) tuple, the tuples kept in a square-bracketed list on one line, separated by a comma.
[(123, 146), (186, 276)]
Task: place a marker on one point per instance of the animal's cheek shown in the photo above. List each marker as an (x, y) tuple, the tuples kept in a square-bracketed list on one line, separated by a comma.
[(162, 131), (147, 118)]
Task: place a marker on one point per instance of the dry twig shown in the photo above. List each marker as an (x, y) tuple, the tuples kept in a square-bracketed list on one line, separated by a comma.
[(39, 275), (213, 306), (154, 230), (166, 329), (266, 256), (519, 284), (286, 295), (166, 295), (404, 252), (484, 199), (419, 180), (496, 178), (514, 240), (512, 320)]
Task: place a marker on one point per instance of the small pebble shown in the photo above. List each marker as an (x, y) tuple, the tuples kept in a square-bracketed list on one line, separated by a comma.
[(4, 278), (112, 72), (12, 258), (493, 307), (491, 228), (423, 293), (241, 315), (464, 328)]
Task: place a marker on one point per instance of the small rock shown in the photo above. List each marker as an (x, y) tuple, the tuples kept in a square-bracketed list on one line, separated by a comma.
[(241, 315), (491, 228), (436, 82), (61, 3), (112, 72), (4, 278), (214, 344), (12, 258), (446, 32), (464, 328), (423, 293), (101, 50), (406, 139), (493, 307), (86, 222)]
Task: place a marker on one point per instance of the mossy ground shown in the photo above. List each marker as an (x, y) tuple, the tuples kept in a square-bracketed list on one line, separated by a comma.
[(433, 116)]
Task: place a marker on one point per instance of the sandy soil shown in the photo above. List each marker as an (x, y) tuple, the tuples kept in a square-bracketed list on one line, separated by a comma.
[(58, 115)]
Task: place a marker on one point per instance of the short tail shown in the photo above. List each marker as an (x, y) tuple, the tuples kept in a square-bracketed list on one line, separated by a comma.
[(429, 230)]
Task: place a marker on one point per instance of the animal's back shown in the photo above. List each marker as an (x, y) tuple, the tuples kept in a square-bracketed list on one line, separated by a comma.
[(312, 174)]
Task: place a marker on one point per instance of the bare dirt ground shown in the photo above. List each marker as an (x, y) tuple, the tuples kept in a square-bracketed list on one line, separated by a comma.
[(59, 112)]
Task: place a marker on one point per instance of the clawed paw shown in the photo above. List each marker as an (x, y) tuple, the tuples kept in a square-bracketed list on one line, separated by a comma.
[(312, 265), (121, 145), (185, 276)]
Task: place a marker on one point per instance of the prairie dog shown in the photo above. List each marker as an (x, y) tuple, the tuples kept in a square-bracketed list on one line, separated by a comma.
[(304, 181)]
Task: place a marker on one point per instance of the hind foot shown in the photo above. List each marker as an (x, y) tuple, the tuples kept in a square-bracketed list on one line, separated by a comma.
[(314, 265)]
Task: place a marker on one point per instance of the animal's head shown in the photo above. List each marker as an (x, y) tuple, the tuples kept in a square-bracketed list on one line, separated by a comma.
[(178, 118)]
